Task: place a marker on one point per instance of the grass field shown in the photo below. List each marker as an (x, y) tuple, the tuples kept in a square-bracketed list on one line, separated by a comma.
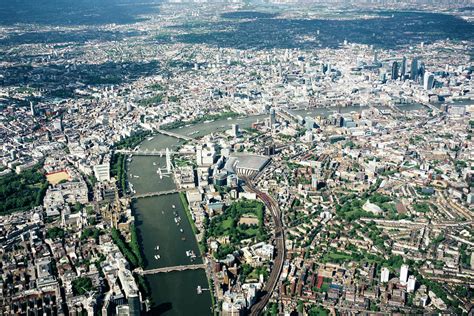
[(55, 178)]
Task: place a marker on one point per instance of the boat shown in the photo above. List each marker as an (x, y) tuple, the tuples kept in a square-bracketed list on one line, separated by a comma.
[(154, 163), (157, 248), (150, 138), (208, 121), (136, 176), (181, 230), (199, 289), (188, 253), (157, 257), (229, 118), (173, 206)]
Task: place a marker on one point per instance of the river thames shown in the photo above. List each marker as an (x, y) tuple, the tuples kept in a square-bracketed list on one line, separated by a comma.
[(163, 242)]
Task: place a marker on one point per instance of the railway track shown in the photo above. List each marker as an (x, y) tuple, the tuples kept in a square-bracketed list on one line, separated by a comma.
[(267, 291)]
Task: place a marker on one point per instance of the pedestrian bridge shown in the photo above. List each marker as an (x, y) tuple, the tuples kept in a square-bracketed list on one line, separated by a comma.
[(171, 269)]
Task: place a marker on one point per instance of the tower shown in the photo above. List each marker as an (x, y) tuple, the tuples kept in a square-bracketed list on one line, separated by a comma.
[(385, 276), (199, 155), (272, 117), (235, 130), (32, 109), (414, 69), (403, 68), (428, 81), (394, 70), (411, 284), (403, 274)]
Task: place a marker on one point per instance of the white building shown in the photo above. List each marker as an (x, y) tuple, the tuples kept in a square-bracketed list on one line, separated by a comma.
[(385, 275), (404, 274), (102, 172), (411, 284)]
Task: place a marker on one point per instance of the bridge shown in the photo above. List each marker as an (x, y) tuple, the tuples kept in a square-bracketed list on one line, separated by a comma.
[(160, 193), (154, 152), (431, 107), (171, 269), (286, 115), (168, 133)]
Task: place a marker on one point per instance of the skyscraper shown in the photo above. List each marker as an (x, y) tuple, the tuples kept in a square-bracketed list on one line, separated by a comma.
[(428, 81), (272, 117), (235, 130), (421, 72), (414, 69), (403, 68), (394, 70), (404, 274)]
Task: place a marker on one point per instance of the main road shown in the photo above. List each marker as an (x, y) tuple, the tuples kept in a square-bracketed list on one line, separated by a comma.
[(267, 291)]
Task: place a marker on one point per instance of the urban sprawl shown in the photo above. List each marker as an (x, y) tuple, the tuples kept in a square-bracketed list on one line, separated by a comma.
[(334, 180)]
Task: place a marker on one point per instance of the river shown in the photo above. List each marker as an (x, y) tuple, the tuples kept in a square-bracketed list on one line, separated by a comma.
[(175, 293)]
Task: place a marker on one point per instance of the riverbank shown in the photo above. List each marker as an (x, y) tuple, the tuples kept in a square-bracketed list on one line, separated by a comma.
[(163, 241)]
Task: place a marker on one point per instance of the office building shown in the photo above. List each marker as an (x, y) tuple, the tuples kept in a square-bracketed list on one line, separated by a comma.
[(403, 68), (235, 130), (102, 172), (414, 69), (428, 81), (394, 70), (272, 117)]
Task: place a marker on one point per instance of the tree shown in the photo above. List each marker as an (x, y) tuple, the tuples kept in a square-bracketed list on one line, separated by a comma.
[(82, 285)]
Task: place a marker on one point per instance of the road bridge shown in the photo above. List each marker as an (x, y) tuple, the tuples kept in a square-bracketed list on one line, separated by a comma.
[(159, 193), (171, 269), (145, 152), (168, 133)]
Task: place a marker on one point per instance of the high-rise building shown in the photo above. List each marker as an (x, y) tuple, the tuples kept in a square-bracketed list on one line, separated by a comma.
[(32, 109), (314, 182), (235, 130), (428, 81), (404, 274), (421, 73), (385, 275), (411, 284), (394, 70), (403, 68), (272, 117), (414, 69)]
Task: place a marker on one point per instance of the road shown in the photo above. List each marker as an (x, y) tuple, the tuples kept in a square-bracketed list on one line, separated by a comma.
[(272, 205)]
